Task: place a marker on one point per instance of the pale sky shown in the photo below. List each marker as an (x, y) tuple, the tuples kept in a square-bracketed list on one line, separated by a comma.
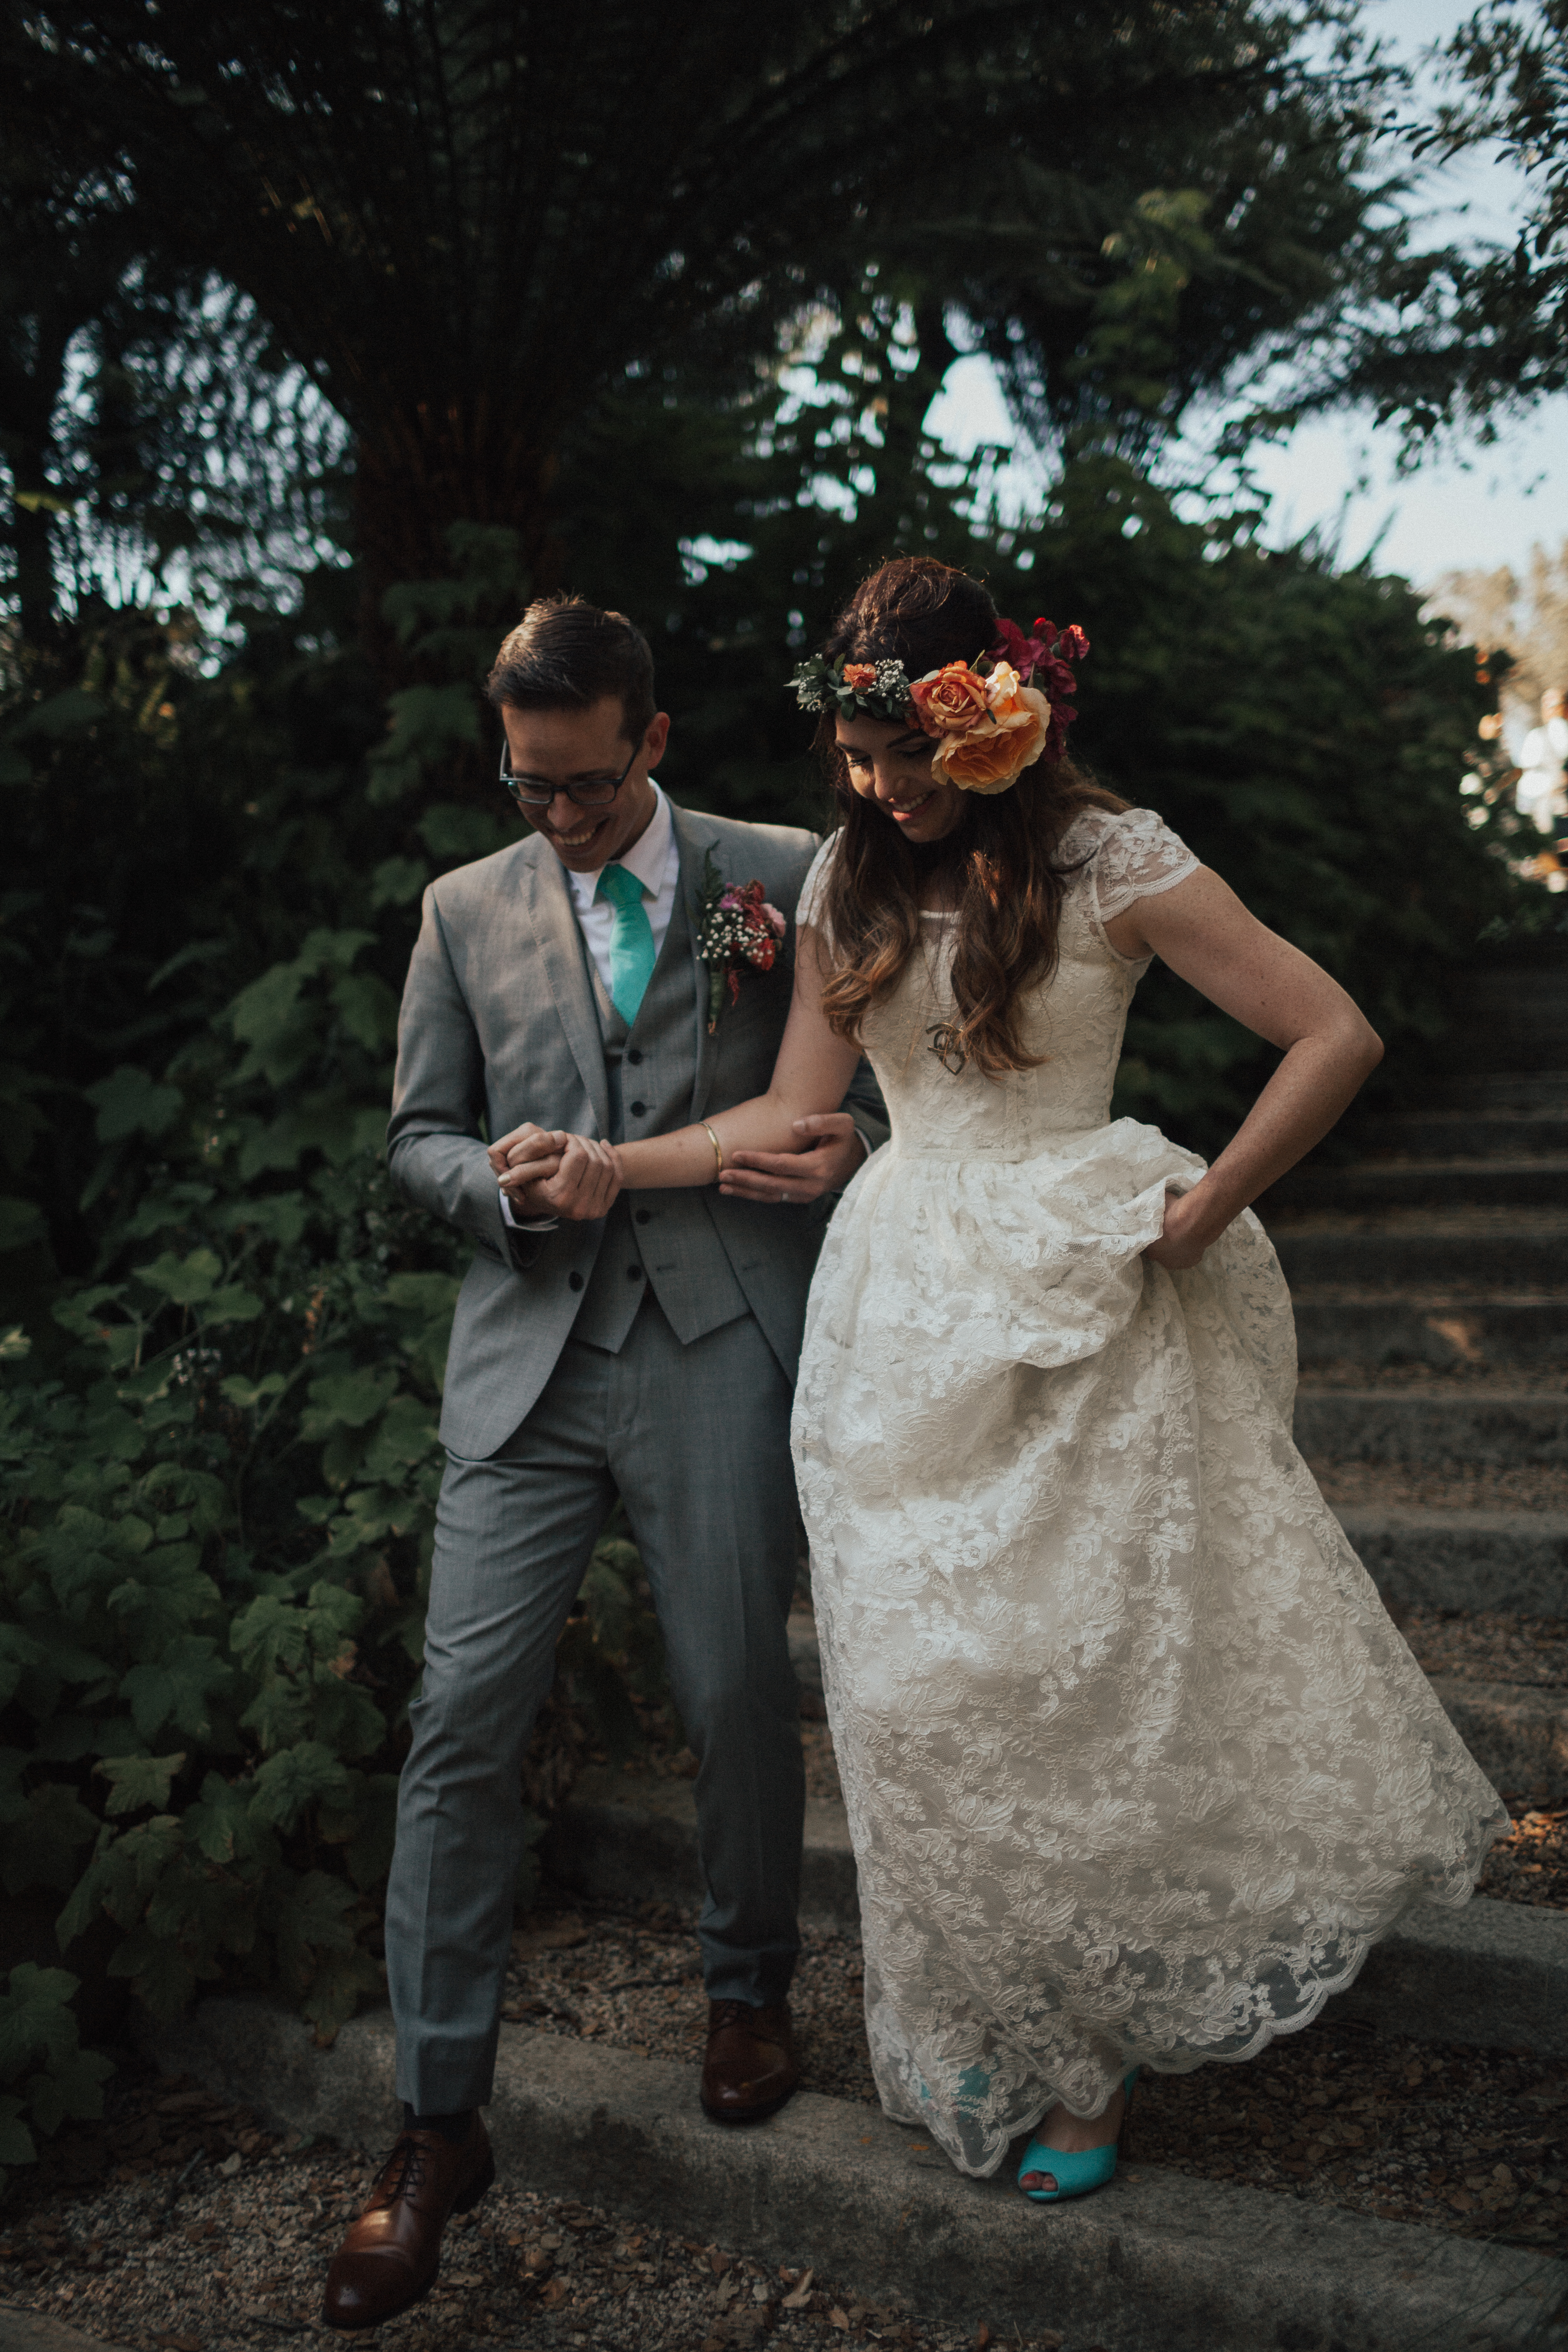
[(1482, 508)]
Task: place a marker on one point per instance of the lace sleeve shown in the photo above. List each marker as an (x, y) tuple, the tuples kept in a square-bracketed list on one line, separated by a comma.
[(811, 905), (1138, 857)]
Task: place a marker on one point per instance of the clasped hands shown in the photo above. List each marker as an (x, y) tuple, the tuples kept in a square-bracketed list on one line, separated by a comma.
[(547, 1172)]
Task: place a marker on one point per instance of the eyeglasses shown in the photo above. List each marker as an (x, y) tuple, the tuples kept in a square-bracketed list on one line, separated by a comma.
[(538, 792)]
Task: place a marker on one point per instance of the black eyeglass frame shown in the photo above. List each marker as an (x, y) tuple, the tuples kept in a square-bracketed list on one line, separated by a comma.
[(574, 792)]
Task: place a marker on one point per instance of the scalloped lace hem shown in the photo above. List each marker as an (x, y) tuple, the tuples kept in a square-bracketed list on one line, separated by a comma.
[(1272, 2030)]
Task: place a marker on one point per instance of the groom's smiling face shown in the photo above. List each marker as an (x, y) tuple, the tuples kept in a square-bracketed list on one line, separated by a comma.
[(584, 746)]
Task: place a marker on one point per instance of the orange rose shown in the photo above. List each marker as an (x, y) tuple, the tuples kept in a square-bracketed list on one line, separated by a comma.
[(860, 675), (949, 700), (992, 757)]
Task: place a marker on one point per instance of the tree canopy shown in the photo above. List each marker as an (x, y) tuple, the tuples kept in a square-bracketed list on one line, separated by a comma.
[(467, 224), (1463, 335)]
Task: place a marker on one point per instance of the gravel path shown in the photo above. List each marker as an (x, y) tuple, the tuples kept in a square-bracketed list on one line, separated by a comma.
[(177, 2226), (172, 2256)]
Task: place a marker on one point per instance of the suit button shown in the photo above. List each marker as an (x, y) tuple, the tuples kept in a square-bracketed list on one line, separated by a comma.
[(633, 1274), (573, 1282), (643, 1216), (639, 1109), (635, 1056)]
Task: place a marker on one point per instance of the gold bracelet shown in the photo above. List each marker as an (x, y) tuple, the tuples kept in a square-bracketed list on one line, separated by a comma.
[(717, 1146)]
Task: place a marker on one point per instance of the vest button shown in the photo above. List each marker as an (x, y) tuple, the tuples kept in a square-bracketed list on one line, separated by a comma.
[(639, 1109), (573, 1282), (635, 1055), (643, 1216), (633, 1274)]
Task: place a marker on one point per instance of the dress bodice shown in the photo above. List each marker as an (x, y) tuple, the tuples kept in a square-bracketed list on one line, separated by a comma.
[(1075, 1018)]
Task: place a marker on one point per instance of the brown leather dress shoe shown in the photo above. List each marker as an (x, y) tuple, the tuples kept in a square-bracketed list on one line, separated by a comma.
[(389, 2257), (751, 2068)]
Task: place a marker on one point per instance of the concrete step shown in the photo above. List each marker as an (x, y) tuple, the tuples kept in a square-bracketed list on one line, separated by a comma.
[(1516, 1732), (1446, 1428), (1437, 1327), (1156, 2262), (629, 1839), (1511, 1560), (1534, 1181), (1497, 1092), (1476, 1046), (1477, 1133), (1513, 993), (1485, 1254), (35, 2331), (1495, 1974)]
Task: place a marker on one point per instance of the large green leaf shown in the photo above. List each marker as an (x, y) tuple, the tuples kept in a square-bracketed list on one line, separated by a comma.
[(38, 2024), (135, 1781), (131, 1102), (177, 1686), (299, 1776), (187, 1280)]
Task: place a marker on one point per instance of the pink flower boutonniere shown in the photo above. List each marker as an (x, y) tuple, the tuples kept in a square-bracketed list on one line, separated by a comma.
[(736, 927)]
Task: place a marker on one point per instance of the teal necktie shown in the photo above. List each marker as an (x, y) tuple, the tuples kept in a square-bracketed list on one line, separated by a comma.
[(631, 942)]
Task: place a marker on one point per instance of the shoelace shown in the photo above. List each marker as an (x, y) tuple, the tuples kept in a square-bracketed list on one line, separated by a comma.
[(737, 2012), (403, 2171)]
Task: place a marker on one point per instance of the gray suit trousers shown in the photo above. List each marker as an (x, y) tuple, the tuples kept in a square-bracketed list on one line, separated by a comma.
[(696, 1441)]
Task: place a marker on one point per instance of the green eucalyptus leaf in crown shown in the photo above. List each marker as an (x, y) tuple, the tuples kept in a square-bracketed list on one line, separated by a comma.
[(880, 689)]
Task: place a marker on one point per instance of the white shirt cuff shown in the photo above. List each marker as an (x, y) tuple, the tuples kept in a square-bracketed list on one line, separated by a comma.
[(525, 1226)]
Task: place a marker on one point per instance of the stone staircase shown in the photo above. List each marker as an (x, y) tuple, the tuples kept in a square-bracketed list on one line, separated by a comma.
[(1430, 1281), (1430, 1276)]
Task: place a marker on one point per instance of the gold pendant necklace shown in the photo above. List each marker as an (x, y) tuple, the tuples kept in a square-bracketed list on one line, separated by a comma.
[(943, 1038)]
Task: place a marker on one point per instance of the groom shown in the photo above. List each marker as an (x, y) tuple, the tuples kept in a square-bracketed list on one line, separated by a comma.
[(649, 1352)]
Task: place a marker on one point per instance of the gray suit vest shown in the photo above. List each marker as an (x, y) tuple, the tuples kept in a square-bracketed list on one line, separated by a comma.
[(661, 1033)]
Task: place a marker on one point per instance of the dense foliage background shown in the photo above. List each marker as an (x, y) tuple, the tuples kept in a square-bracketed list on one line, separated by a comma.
[(268, 521)]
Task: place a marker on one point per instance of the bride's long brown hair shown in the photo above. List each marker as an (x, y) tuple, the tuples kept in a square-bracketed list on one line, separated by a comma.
[(1003, 852)]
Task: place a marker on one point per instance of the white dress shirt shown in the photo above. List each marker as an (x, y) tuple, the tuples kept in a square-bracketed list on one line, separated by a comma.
[(655, 858)]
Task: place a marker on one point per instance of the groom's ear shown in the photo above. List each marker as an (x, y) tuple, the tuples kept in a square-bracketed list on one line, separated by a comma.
[(656, 739)]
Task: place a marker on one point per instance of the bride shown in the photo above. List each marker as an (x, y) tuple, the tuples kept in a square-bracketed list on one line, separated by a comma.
[(1137, 1767)]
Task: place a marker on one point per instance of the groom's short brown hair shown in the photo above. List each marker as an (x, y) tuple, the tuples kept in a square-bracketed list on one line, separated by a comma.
[(566, 654)]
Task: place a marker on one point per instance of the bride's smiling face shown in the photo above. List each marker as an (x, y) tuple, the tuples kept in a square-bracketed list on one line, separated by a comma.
[(890, 766)]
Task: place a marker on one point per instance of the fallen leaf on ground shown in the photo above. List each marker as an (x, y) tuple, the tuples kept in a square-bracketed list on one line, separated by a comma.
[(837, 2318), (555, 1936), (797, 2299)]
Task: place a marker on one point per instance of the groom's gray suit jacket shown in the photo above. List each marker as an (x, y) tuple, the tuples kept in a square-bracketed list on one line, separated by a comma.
[(503, 1021)]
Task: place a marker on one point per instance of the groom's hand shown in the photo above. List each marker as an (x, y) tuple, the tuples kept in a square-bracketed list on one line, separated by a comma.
[(553, 1174), (830, 1151), (538, 1147)]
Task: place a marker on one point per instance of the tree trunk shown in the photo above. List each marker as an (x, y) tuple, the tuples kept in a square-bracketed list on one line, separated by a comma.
[(31, 542), (420, 473)]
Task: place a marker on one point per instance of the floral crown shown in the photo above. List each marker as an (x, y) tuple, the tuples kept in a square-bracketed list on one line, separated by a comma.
[(991, 718)]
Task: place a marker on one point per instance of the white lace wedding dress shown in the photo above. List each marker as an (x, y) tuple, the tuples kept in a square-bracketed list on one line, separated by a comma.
[(1137, 1767)]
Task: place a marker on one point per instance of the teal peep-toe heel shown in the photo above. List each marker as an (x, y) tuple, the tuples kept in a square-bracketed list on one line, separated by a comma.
[(1076, 2170)]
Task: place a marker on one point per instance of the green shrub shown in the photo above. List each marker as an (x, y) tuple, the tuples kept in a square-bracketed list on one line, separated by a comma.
[(218, 1506), (44, 2078)]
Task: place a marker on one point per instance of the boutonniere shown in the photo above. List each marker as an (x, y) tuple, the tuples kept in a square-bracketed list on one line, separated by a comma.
[(735, 926)]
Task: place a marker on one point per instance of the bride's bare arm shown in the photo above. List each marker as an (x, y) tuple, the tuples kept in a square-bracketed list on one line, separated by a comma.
[(811, 1077), (1206, 936)]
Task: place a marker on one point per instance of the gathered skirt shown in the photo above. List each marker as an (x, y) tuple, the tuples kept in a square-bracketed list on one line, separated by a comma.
[(1137, 1766)]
